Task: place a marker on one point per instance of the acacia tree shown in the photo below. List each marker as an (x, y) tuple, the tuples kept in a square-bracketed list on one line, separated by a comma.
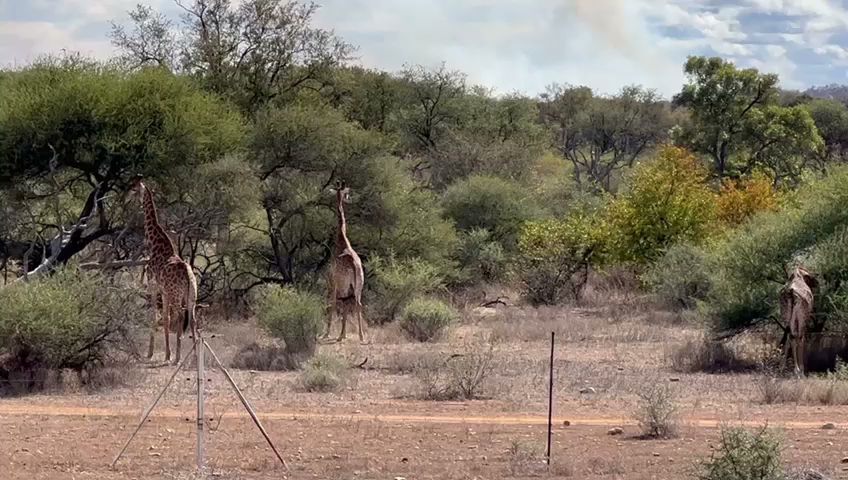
[(75, 132), (736, 120)]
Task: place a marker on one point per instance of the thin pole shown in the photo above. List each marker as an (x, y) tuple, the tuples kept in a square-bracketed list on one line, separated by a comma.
[(550, 400), (152, 406), (201, 377), (245, 403)]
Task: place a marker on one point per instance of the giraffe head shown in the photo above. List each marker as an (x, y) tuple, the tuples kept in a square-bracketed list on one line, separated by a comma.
[(341, 191), (136, 189)]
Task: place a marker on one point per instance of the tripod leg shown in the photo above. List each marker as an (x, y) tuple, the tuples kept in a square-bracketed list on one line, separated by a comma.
[(151, 407), (245, 403)]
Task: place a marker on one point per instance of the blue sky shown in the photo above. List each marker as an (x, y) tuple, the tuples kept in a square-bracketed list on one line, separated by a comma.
[(517, 45)]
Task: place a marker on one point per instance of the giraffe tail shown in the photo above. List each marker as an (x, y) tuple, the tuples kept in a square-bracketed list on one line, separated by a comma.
[(186, 320)]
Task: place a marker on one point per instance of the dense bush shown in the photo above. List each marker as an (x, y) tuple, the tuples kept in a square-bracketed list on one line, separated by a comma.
[(481, 258), (292, 316), (70, 320), (666, 201), (462, 376), (494, 204), (750, 262), (397, 282), (744, 455), (680, 278), (324, 373), (424, 319), (555, 257)]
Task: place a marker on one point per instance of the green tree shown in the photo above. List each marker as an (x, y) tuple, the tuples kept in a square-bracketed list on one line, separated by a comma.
[(666, 201), (603, 135), (494, 204), (831, 119), (74, 133), (737, 122)]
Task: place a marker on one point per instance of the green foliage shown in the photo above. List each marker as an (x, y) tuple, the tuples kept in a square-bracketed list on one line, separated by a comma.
[(424, 319), (750, 262), (737, 123), (494, 204), (324, 373), (480, 258), (744, 455), (397, 282), (831, 119), (100, 120), (681, 277), (292, 316), (555, 257), (68, 320), (666, 201)]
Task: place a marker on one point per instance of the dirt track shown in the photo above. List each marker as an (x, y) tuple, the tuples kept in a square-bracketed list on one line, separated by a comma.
[(79, 411)]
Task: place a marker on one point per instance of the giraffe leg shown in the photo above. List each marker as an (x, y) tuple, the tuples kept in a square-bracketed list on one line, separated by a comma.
[(801, 352), (343, 318), (178, 331), (329, 322), (359, 321), (154, 324), (166, 325)]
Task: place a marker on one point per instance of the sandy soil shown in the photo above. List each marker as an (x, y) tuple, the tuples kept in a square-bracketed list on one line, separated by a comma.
[(375, 428)]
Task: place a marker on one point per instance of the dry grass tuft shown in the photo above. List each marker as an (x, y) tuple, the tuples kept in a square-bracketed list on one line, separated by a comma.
[(264, 358)]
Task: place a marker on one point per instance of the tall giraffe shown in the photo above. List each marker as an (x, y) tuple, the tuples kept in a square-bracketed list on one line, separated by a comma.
[(174, 277), (346, 275)]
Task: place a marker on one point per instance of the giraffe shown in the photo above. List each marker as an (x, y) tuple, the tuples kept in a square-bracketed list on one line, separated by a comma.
[(174, 277), (154, 301), (796, 309), (346, 277)]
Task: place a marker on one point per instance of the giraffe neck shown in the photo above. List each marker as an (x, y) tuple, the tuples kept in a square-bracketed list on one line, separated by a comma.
[(342, 241), (158, 242)]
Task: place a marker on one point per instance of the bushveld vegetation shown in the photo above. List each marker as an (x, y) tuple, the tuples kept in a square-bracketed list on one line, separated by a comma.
[(704, 197)]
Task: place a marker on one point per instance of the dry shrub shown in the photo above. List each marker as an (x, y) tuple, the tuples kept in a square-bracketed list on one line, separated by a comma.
[(460, 376), (525, 458), (264, 358), (657, 412), (606, 466), (705, 355), (831, 389)]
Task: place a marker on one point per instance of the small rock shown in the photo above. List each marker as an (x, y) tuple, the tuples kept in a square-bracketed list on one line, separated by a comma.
[(400, 478), (620, 369), (566, 423), (404, 460), (336, 456), (155, 454), (674, 379), (615, 431), (829, 426), (587, 390), (844, 460), (656, 454)]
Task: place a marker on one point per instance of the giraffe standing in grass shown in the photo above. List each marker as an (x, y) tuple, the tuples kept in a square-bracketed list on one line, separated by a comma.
[(174, 277), (346, 275)]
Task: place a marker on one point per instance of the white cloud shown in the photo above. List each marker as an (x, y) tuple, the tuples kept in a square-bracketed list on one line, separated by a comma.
[(22, 42), (833, 50)]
